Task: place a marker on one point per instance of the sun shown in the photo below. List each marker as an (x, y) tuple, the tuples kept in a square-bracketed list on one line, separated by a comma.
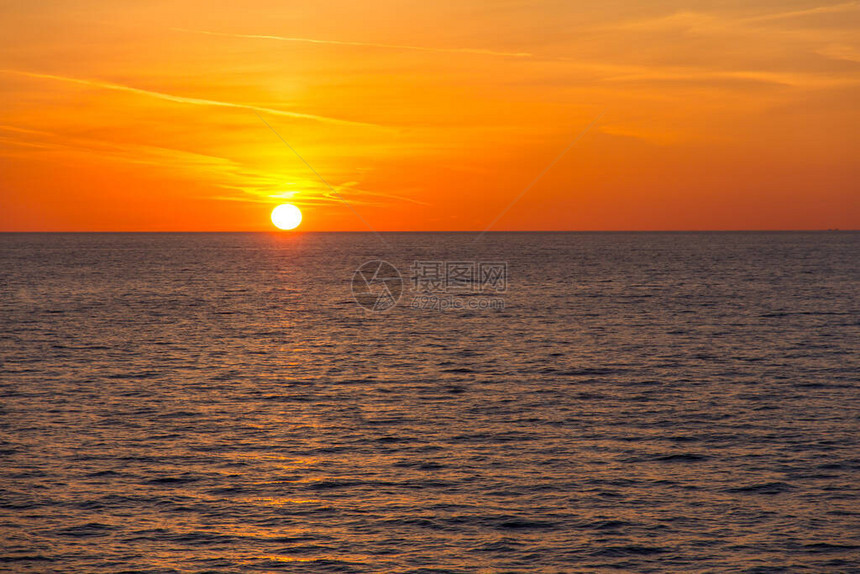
[(286, 216)]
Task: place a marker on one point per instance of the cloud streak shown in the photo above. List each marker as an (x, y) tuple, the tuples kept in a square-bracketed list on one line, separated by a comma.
[(253, 184), (831, 9), (182, 99), (477, 51)]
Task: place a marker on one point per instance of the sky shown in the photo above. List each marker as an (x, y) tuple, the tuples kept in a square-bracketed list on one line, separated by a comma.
[(415, 115)]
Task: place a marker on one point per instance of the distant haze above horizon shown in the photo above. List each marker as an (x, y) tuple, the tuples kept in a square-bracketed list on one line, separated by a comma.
[(128, 116)]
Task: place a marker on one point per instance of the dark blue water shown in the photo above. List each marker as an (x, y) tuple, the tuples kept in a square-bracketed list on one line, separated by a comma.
[(220, 403)]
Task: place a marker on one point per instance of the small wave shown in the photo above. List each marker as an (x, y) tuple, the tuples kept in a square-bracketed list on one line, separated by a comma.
[(525, 524), (629, 550), (822, 547), (26, 558), (608, 524), (331, 484), (682, 457), (172, 480), (89, 530), (763, 488), (102, 473), (589, 371)]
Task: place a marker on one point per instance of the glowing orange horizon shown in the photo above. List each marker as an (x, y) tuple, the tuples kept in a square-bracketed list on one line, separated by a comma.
[(124, 117)]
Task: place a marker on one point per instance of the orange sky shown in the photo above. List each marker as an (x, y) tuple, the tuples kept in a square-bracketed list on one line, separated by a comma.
[(128, 115)]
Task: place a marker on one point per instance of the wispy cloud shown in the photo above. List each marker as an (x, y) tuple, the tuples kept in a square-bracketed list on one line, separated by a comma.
[(831, 9), (841, 52), (728, 78), (183, 99), (351, 190), (712, 22), (478, 51), (247, 183)]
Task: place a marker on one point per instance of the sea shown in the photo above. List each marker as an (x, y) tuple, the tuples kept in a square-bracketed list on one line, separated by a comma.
[(430, 402)]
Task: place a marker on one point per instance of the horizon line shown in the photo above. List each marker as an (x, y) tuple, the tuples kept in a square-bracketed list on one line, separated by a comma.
[(463, 231)]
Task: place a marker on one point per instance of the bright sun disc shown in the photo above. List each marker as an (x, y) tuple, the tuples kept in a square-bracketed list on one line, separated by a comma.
[(286, 216)]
